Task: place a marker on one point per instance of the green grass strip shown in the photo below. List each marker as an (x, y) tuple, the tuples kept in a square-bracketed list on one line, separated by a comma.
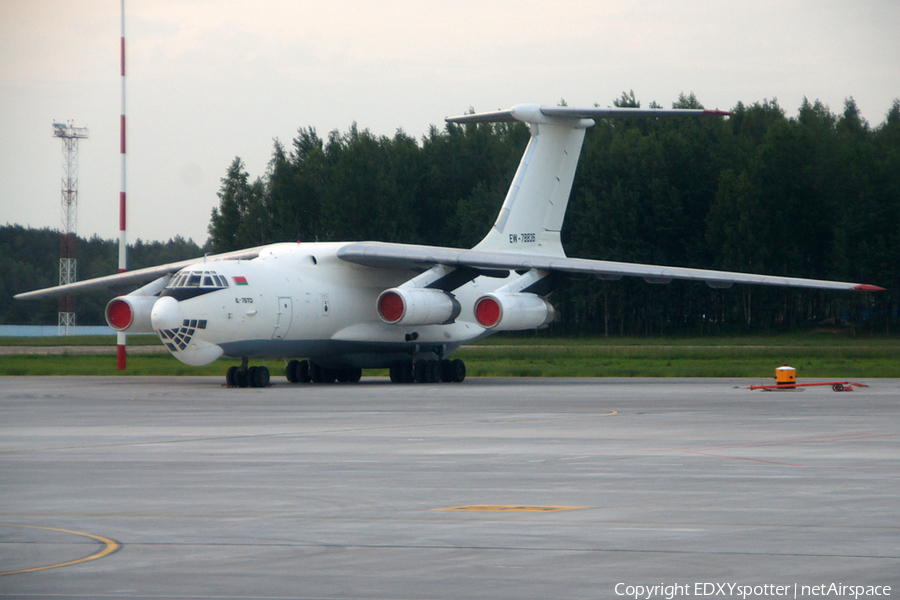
[(830, 357)]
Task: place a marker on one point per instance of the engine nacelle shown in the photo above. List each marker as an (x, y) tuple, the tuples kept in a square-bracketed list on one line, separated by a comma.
[(513, 312), (417, 306), (130, 313)]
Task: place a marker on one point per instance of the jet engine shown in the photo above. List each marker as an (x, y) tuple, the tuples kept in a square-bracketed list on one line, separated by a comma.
[(130, 313), (513, 312), (417, 306)]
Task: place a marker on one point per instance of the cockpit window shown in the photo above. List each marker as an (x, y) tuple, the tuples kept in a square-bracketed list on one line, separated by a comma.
[(195, 279)]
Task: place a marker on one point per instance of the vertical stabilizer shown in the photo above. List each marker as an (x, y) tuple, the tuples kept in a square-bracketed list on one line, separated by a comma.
[(532, 214)]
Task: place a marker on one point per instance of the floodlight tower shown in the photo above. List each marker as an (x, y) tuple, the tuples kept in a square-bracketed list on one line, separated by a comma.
[(69, 202)]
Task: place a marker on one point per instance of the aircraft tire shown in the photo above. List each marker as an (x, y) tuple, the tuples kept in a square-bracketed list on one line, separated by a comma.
[(303, 372), (329, 375), (260, 376), (407, 373), (240, 378), (458, 368), (229, 376), (446, 370), (420, 371), (433, 371), (348, 375), (290, 371), (315, 373), (402, 372)]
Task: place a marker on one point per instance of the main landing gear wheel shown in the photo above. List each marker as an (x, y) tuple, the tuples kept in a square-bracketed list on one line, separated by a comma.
[(457, 370), (321, 374), (303, 371), (348, 375), (402, 372), (252, 377), (297, 371), (422, 371), (429, 371)]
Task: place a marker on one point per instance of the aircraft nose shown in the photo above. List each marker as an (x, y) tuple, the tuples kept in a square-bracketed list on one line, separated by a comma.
[(166, 314)]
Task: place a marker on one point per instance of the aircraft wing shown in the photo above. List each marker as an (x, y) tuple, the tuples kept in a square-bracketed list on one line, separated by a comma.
[(385, 255), (135, 277)]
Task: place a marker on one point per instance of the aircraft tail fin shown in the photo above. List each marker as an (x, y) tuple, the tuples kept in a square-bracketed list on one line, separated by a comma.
[(532, 214)]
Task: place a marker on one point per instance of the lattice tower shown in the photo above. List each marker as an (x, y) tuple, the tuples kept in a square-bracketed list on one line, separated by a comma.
[(69, 219)]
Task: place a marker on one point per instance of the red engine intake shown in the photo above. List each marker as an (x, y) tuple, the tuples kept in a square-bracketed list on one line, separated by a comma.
[(391, 306), (417, 306), (488, 311), (513, 312), (130, 313)]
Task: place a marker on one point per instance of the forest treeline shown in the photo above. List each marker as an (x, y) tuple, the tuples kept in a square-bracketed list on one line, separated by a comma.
[(812, 195)]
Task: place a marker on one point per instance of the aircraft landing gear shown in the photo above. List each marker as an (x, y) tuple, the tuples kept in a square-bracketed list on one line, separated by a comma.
[(429, 371), (304, 371), (453, 370), (247, 377), (297, 371), (258, 376), (420, 371)]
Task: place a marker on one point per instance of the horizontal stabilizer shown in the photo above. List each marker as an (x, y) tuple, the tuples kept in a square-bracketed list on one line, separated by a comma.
[(533, 113)]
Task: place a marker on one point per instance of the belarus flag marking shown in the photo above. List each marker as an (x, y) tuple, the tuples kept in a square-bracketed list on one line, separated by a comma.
[(240, 281)]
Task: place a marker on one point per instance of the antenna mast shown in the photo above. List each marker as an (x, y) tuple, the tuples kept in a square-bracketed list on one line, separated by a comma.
[(69, 134)]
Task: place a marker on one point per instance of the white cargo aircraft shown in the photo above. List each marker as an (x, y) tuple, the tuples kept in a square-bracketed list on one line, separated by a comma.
[(344, 307)]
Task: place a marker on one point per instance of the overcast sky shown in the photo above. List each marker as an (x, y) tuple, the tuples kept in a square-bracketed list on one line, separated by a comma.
[(209, 80)]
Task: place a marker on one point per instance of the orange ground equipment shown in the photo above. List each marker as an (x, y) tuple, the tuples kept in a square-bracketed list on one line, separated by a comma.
[(785, 375), (786, 379)]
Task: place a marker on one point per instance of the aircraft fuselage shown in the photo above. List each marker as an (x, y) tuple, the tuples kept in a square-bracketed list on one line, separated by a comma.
[(300, 300)]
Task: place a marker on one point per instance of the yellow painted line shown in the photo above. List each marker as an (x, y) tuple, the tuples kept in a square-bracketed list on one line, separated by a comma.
[(510, 508), (109, 546)]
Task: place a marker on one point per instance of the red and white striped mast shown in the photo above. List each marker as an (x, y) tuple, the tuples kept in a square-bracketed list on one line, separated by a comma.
[(121, 337)]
